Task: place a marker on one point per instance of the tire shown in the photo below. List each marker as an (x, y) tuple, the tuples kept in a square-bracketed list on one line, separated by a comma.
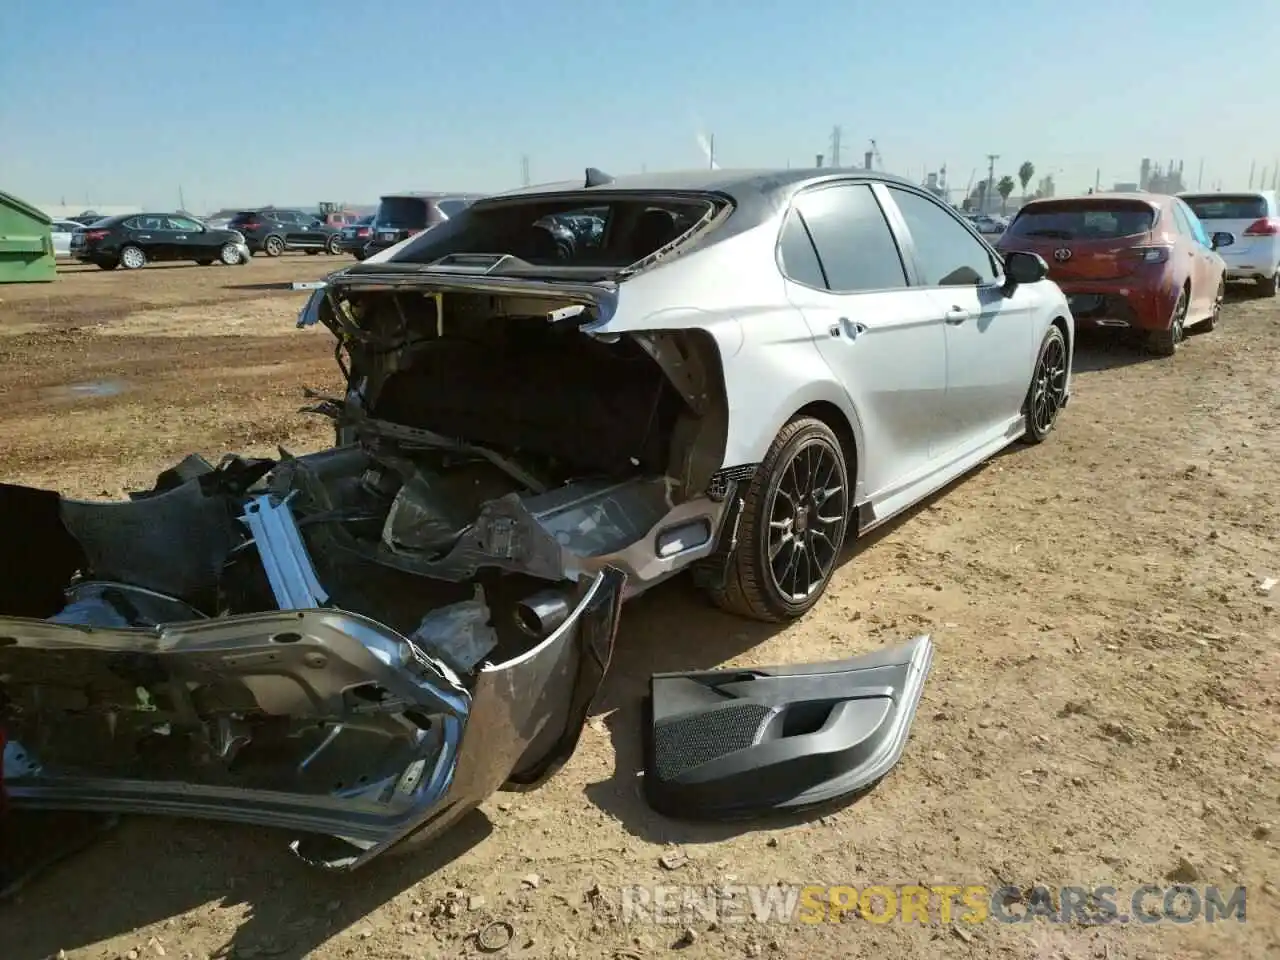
[(1164, 343), (132, 257), (230, 255), (1269, 286), (772, 517), (1048, 387), (331, 246), (273, 246), (1215, 317), (204, 263), (107, 264)]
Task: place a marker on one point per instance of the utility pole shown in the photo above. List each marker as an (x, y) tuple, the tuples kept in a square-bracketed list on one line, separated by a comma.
[(991, 180), (1252, 168), (1200, 174), (711, 152), (524, 169), (1097, 180), (182, 202), (835, 146)]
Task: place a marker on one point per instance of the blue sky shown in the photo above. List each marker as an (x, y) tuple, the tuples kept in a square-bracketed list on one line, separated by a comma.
[(290, 101)]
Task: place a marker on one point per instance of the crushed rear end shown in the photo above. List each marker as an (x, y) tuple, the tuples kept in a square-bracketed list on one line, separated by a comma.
[(181, 653)]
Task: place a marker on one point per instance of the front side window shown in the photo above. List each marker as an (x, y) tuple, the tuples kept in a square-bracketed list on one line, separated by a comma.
[(854, 243), (1196, 228), (947, 253), (182, 223)]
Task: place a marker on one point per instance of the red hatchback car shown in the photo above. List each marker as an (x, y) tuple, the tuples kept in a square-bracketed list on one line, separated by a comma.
[(1137, 261)]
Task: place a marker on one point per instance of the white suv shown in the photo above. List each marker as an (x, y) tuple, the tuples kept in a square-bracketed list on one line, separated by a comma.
[(1253, 218)]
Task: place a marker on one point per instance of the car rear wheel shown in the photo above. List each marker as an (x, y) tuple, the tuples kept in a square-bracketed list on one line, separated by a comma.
[(273, 246), (1164, 343), (132, 258), (1048, 390), (794, 521), (1269, 286), (230, 254), (331, 246)]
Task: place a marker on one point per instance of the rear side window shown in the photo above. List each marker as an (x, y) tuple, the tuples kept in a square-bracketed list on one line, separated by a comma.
[(1221, 206), (402, 213), (947, 253), (799, 259), (855, 246), (1083, 220)]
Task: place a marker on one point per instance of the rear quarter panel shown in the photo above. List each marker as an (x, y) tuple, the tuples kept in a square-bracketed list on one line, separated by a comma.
[(734, 291)]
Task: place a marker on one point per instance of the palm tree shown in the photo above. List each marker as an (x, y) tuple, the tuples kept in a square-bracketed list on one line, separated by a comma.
[(1025, 173), (1004, 187)]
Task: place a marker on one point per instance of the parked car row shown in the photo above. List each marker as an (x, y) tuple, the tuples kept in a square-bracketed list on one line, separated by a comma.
[(1149, 264)]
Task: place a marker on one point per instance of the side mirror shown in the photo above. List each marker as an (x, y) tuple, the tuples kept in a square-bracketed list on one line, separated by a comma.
[(1223, 239), (1022, 267)]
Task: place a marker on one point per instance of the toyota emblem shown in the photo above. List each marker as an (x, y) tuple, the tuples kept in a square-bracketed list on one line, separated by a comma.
[(1062, 254)]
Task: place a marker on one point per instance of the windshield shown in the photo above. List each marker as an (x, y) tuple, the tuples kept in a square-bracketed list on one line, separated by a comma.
[(402, 213), (564, 232), (1083, 220), (1219, 206)]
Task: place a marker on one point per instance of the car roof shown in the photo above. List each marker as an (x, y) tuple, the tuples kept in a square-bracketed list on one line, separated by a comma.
[(1210, 194), (426, 195), (738, 184), (1154, 200)]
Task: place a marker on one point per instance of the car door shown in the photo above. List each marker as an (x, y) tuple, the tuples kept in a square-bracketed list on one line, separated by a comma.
[(150, 232), (990, 333), (881, 338), (187, 238), (1202, 259)]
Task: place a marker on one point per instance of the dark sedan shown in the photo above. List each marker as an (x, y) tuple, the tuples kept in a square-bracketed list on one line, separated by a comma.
[(355, 237), (136, 239)]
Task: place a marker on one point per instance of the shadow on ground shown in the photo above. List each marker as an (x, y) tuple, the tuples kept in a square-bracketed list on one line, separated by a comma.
[(154, 869)]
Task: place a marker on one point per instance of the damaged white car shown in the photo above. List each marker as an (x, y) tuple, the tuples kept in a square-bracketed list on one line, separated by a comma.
[(734, 373)]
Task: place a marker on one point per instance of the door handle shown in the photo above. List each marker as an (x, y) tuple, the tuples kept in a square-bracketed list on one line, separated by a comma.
[(845, 328), (956, 315)]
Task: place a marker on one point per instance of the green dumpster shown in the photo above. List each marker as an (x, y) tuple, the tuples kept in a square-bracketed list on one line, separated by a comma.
[(26, 247)]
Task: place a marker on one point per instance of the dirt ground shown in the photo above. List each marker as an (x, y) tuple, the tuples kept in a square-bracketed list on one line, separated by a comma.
[(1102, 708)]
